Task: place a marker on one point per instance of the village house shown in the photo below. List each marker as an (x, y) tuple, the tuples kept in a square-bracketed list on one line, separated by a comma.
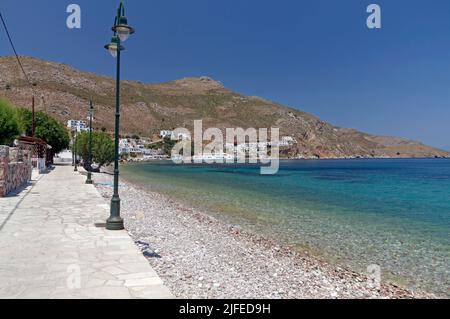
[(77, 125)]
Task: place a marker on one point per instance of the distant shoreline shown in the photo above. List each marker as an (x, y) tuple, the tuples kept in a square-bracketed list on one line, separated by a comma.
[(298, 159)]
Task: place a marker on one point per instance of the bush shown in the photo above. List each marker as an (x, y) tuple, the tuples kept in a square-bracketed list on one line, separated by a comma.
[(10, 127)]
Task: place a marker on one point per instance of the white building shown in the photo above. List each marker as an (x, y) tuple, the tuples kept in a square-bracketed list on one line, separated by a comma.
[(123, 142), (166, 134), (286, 141), (77, 125), (124, 146), (171, 135), (129, 146), (136, 150)]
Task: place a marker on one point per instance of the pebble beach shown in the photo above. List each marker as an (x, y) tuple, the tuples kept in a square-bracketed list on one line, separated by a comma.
[(198, 256)]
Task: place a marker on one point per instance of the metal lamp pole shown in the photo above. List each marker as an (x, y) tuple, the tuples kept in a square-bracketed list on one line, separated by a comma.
[(75, 152), (121, 31), (73, 148), (89, 173), (33, 120)]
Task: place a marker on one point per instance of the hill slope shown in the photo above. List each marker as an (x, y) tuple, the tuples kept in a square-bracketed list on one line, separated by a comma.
[(64, 92)]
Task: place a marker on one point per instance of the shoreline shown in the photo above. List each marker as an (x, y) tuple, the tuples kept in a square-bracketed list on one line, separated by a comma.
[(150, 160), (199, 256)]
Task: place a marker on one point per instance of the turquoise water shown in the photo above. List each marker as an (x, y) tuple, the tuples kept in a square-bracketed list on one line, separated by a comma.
[(393, 213)]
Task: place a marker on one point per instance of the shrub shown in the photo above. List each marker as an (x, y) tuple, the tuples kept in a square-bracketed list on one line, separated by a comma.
[(10, 127)]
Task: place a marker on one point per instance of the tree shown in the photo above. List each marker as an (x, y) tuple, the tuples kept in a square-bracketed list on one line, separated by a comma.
[(47, 129), (82, 146), (102, 148), (10, 126), (168, 146)]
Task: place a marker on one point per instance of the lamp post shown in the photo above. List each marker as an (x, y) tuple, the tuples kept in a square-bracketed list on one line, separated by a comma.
[(73, 148), (33, 119), (121, 31), (33, 113), (75, 152), (89, 166)]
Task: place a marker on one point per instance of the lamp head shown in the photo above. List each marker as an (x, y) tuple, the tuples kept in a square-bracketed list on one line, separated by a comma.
[(122, 29), (114, 46)]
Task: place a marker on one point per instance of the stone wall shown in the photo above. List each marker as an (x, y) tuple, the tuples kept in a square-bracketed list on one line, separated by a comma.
[(15, 169)]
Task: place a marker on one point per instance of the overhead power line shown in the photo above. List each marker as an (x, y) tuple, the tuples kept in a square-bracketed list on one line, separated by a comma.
[(14, 49)]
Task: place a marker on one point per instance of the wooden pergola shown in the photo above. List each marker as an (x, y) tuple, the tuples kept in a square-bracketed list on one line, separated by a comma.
[(38, 147)]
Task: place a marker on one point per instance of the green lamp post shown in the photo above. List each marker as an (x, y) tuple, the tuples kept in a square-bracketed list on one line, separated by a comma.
[(89, 166), (122, 31), (75, 152), (73, 148)]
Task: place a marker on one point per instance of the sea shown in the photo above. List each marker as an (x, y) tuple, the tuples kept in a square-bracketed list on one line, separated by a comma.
[(391, 213)]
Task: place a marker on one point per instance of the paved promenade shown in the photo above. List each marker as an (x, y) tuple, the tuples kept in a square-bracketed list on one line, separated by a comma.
[(51, 247)]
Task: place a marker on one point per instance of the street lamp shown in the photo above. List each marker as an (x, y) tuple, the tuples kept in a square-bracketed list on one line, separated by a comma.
[(89, 166), (75, 152), (122, 31), (73, 148)]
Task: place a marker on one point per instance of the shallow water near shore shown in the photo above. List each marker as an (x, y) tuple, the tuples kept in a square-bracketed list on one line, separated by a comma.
[(392, 213)]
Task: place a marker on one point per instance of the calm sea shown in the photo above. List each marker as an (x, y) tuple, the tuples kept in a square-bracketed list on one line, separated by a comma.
[(392, 213)]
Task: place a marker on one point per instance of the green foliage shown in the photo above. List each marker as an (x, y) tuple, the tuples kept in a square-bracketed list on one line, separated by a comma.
[(102, 148), (10, 127), (168, 146), (82, 146), (165, 145), (47, 129), (156, 146)]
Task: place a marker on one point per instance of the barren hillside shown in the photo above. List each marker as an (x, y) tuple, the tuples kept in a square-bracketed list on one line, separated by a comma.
[(64, 92)]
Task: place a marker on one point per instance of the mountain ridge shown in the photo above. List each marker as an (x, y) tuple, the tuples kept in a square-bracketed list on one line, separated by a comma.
[(64, 92)]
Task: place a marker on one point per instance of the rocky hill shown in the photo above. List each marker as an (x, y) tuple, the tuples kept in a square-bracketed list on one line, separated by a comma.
[(64, 92)]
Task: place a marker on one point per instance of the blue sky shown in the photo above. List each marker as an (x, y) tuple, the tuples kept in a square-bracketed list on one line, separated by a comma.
[(315, 55)]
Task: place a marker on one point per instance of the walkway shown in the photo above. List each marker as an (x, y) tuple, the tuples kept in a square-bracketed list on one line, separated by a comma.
[(51, 245)]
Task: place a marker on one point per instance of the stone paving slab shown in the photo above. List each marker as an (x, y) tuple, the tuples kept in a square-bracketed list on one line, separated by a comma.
[(50, 246)]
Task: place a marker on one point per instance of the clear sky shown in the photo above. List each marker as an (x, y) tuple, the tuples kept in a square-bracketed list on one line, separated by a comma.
[(316, 55)]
